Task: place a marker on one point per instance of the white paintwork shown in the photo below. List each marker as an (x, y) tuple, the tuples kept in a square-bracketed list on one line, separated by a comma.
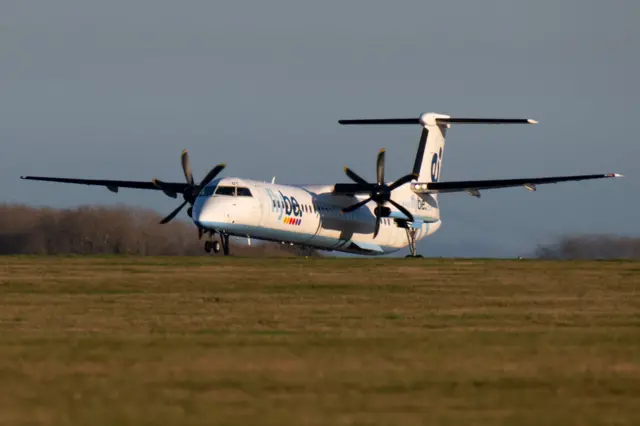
[(431, 166), (319, 222)]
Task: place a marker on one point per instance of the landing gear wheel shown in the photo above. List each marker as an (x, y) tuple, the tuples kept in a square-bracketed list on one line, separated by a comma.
[(414, 256), (208, 246), (216, 246)]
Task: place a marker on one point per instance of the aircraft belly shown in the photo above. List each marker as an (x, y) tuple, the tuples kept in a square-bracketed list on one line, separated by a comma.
[(334, 231), (295, 215)]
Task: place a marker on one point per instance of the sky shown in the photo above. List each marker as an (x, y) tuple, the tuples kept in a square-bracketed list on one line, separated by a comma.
[(116, 89)]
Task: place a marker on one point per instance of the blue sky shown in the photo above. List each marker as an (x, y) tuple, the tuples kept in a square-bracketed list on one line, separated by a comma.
[(117, 89)]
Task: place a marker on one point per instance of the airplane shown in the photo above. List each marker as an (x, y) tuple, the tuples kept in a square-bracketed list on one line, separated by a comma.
[(360, 217)]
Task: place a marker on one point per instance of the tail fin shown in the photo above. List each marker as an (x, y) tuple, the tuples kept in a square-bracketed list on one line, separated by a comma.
[(428, 160), (430, 148)]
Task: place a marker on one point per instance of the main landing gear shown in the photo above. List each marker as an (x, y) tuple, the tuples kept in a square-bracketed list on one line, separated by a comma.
[(215, 245), (411, 237)]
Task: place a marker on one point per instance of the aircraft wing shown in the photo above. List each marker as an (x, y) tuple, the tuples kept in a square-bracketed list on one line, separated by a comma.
[(352, 188), (114, 185), (474, 186)]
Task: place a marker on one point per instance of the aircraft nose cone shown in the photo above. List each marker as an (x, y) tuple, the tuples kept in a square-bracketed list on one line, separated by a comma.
[(208, 214)]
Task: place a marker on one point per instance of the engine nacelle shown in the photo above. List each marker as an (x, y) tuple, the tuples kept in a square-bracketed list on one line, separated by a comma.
[(383, 211)]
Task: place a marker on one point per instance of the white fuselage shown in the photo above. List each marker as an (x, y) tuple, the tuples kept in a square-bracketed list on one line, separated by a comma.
[(308, 216)]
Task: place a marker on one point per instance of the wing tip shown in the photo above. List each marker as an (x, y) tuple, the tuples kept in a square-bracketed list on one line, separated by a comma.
[(531, 121), (615, 175)]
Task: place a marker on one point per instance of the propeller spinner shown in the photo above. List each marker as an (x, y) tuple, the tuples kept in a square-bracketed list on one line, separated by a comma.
[(192, 190), (380, 191)]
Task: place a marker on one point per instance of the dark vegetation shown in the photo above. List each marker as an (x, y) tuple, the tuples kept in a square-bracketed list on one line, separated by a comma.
[(109, 230), (591, 247), (103, 230)]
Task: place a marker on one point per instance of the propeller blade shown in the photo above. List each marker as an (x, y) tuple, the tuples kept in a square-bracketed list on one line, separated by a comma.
[(404, 179), (355, 206), (164, 188), (173, 214), (377, 228), (355, 177), (380, 167), (186, 167), (212, 174), (403, 210)]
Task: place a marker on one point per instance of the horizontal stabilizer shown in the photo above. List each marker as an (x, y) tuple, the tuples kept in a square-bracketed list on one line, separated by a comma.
[(430, 118), (473, 186), (486, 120), (381, 121)]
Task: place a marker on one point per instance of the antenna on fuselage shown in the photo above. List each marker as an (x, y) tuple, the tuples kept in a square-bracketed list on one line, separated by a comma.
[(273, 180)]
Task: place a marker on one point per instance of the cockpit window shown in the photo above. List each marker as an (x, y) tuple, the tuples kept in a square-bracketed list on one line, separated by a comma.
[(244, 192), (226, 190)]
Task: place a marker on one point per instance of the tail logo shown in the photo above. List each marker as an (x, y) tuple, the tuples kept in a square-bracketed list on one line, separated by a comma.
[(435, 166)]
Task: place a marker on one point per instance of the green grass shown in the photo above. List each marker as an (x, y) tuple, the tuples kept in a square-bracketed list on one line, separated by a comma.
[(228, 341)]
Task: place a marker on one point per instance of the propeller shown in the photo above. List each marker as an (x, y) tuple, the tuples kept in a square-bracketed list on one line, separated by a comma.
[(380, 191), (192, 190)]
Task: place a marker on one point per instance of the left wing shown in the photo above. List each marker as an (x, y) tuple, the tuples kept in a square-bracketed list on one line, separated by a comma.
[(113, 185), (473, 186)]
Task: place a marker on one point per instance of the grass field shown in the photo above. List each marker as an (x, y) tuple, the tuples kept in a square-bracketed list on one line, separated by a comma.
[(191, 341)]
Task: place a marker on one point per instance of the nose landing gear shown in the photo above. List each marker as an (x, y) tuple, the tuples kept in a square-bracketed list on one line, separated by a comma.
[(215, 245), (212, 246)]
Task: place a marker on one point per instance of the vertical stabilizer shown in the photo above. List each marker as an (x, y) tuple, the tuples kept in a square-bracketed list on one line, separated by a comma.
[(428, 162)]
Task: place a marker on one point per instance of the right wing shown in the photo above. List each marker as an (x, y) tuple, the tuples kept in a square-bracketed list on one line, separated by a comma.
[(473, 186), (113, 185)]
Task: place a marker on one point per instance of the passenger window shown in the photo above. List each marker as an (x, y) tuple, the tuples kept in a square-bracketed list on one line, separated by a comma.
[(244, 192)]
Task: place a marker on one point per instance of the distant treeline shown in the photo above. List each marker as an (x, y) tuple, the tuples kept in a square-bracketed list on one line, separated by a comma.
[(109, 230), (591, 247)]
